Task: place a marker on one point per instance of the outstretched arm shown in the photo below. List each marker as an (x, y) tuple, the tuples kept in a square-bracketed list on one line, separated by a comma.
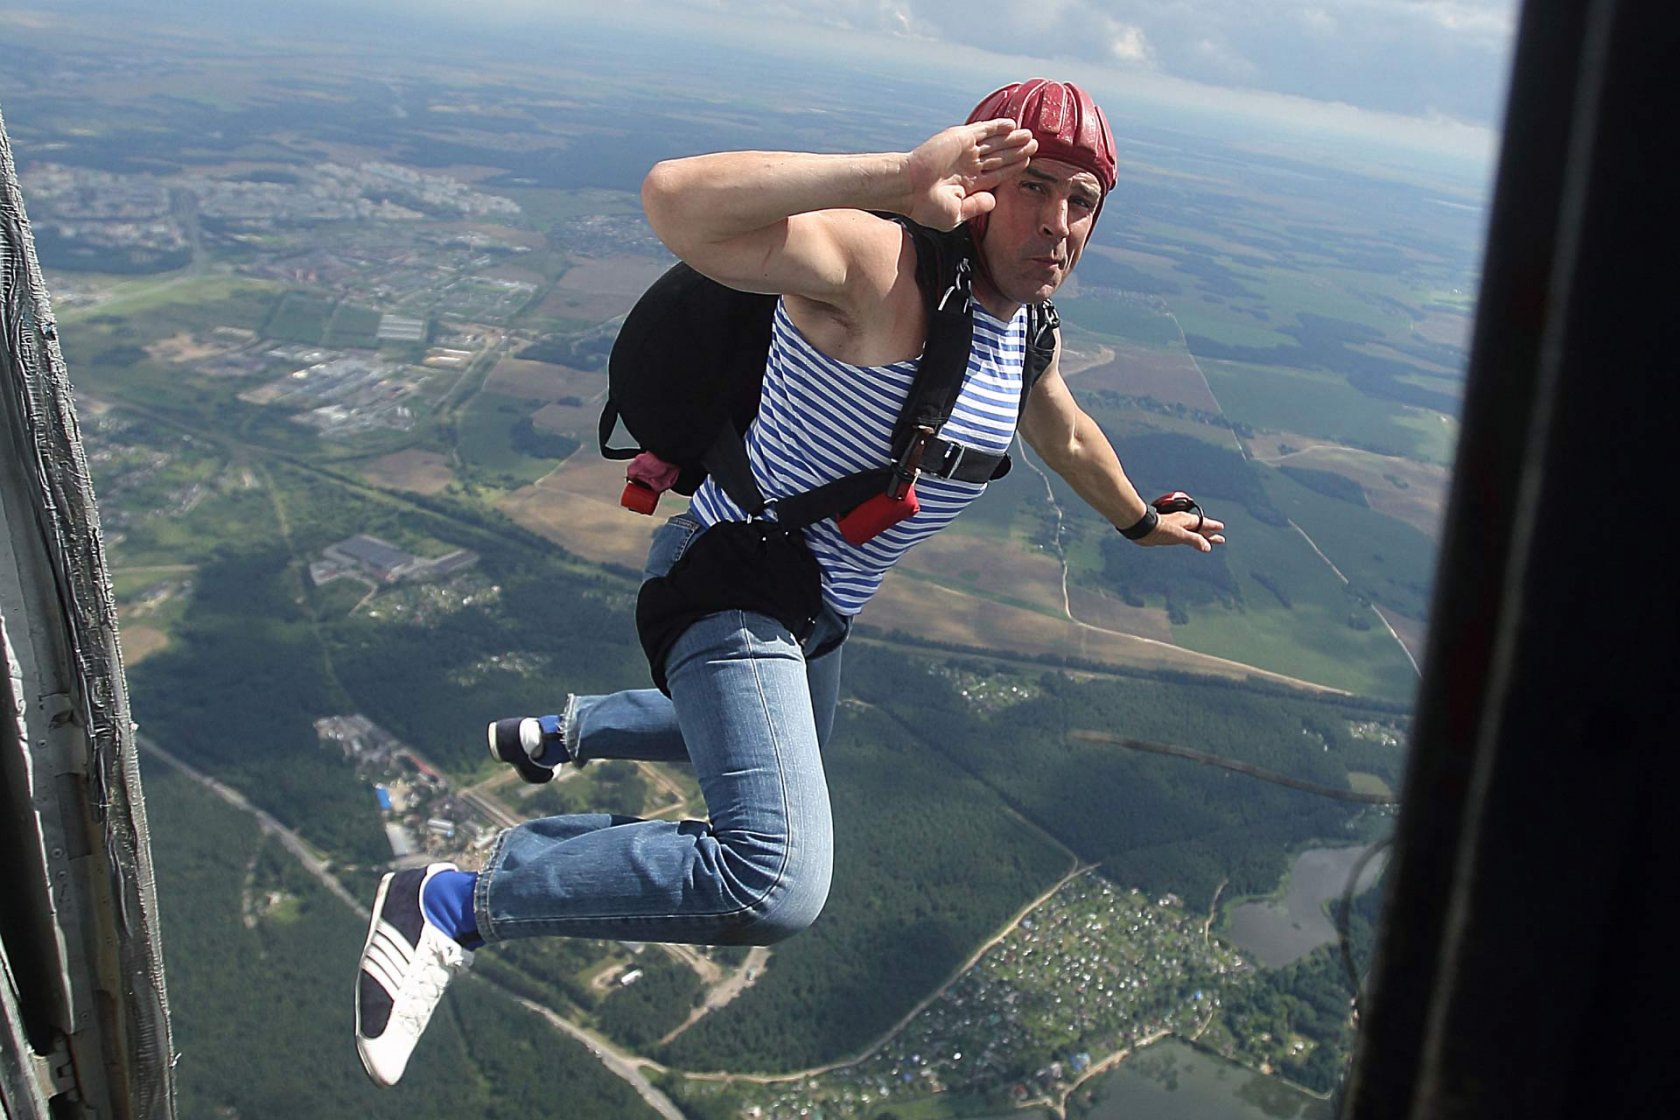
[(796, 223), (1073, 446)]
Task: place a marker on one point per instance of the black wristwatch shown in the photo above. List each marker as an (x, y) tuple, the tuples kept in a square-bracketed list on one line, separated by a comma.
[(1145, 525)]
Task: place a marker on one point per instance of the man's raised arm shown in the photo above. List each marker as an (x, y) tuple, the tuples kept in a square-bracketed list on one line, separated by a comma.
[(792, 222)]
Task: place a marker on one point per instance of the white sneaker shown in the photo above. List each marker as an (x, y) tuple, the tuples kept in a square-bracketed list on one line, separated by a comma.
[(406, 964)]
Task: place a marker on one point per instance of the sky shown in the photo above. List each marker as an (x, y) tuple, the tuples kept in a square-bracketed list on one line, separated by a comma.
[(1417, 58), (1430, 74), (1421, 75)]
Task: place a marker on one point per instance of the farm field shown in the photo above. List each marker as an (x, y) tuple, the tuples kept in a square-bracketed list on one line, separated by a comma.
[(1323, 405), (1405, 490), (419, 472)]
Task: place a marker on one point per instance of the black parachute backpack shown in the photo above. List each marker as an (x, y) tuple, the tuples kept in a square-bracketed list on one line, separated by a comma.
[(686, 372)]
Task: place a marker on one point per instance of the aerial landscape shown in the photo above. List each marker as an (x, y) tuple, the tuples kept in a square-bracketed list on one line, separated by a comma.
[(337, 310)]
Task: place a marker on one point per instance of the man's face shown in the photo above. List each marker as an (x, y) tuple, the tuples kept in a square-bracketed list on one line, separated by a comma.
[(1038, 229)]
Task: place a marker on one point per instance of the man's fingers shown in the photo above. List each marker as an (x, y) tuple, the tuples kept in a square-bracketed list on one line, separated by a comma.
[(999, 162), (1008, 142), (1184, 530), (976, 204), (997, 126), (1008, 137)]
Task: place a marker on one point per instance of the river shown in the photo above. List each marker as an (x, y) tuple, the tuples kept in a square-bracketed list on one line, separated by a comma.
[(1275, 933)]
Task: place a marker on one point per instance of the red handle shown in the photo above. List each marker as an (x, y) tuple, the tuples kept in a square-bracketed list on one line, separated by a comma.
[(876, 515)]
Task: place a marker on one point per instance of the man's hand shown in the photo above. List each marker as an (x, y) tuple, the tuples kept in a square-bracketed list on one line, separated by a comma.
[(952, 173), (1180, 528)]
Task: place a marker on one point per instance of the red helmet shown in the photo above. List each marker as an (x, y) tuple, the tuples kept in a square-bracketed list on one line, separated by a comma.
[(1064, 119)]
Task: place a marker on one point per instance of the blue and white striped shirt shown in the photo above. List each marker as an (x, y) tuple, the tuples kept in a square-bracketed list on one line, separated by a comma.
[(820, 419)]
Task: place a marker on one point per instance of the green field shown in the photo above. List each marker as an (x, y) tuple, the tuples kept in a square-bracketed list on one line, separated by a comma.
[(1131, 320), (299, 318), (1199, 315), (352, 326), (1386, 561), (1322, 404), (484, 436), (177, 292), (1312, 637)]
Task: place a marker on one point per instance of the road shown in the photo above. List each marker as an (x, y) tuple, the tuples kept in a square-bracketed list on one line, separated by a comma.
[(614, 1059), (720, 992)]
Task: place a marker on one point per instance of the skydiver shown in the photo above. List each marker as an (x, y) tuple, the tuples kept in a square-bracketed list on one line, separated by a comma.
[(750, 705)]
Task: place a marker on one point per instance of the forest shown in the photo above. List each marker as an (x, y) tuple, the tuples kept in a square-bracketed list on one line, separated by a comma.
[(926, 785), (260, 961)]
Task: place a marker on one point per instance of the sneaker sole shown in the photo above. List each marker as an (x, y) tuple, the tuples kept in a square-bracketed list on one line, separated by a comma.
[(373, 926)]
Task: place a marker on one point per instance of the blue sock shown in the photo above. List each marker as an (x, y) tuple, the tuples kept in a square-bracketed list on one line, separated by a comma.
[(448, 903), (554, 751)]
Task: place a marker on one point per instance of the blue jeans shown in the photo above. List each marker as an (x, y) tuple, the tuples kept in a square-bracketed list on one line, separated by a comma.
[(751, 713)]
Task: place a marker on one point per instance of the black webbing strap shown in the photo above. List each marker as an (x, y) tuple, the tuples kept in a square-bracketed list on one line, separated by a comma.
[(946, 459), (945, 274), (726, 460), (604, 430)]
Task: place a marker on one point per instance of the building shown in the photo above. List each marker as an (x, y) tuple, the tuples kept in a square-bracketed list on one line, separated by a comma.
[(379, 559)]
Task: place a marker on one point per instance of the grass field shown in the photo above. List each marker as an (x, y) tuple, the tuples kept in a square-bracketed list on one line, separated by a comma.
[(1334, 293), (1435, 435), (1408, 491), (336, 599), (577, 506), (1135, 320), (133, 297), (544, 381), (1323, 405), (140, 642), (484, 436), (1310, 637), (1167, 374), (1390, 562), (299, 318), (423, 472), (352, 326), (1361, 782), (1199, 315)]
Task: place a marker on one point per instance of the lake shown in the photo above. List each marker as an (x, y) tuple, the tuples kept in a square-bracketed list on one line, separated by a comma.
[(1174, 1081), (1276, 933)]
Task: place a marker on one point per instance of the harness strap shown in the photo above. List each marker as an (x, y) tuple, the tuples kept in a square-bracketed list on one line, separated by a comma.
[(944, 458)]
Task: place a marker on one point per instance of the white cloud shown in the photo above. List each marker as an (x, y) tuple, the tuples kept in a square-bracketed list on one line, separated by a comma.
[(1127, 43), (1401, 56), (1479, 17), (1405, 57), (1225, 62)]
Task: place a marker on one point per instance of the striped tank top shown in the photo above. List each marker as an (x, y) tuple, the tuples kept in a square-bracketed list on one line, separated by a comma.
[(820, 419)]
